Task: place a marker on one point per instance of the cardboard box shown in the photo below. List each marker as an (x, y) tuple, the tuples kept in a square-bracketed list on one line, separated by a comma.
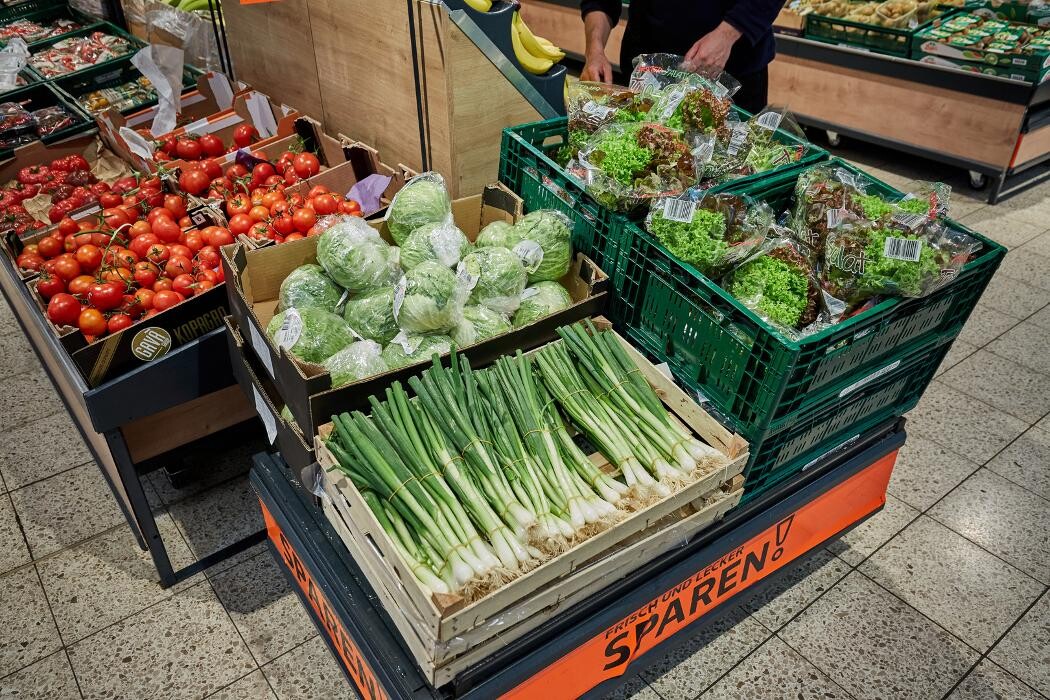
[(273, 122), (214, 94), (253, 279)]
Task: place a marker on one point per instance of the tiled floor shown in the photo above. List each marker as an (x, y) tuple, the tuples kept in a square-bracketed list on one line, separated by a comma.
[(942, 594)]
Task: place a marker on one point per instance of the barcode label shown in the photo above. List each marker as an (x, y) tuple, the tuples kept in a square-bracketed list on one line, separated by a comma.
[(680, 210), (769, 120), (737, 139), (835, 217), (902, 249), (673, 100), (909, 221), (593, 109)]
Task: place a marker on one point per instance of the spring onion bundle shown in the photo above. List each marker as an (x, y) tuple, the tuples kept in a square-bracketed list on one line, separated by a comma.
[(477, 478)]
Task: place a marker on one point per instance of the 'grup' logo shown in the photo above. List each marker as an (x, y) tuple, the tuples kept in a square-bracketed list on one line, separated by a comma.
[(151, 343)]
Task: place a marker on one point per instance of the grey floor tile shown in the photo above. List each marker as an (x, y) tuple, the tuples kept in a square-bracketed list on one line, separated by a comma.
[(267, 612), (51, 678), (1026, 266), (1040, 245), (251, 687), (985, 324), (39, 449), (1004, 228), (861, 541), (28, 396), (1025, 650), (183, 647), (871, 643), (218, 517), (1041, 318), (107, 578), (211, 469), (1008, 386), (804, 584), (961, 423), (989, 682), (17, 353), (66, 508), (1014, 297), (239, 558), (693, 667), (1002, 517), (925, 471), (13, 549), (945, 577), (774, 671), (635, 689), (959, 351), (29, 632), (1026, 462), (308, 671), (1024, 344)]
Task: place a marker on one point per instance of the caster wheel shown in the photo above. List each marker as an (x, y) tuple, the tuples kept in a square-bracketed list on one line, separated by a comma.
[(833, 138), (978, 181)]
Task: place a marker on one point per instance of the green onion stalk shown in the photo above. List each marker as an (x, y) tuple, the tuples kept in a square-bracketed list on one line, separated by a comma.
[(405, 543)]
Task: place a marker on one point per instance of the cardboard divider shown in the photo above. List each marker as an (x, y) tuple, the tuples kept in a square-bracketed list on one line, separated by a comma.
[(253, 280)]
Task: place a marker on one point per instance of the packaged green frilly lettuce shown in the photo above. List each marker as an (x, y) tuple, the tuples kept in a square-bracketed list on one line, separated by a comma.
[(592, 105), (779, 284), (864, 259), (711, 232), (925, 202), (626, 165), (748, 147), (423, 200), (652, 72)]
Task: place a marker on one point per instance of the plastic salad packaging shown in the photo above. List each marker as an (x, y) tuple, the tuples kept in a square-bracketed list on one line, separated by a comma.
[(408, 349), (495, 277), (779, 284), (354, 255), (625, 165), (441, 241), (542, 239), (429, 298), (478, 323), (423, 200), (371, 315), (652, 72), (310, 334), (592, 105), (355, 362), (711, 232), (749, 147), (539, 300), (309, 285)]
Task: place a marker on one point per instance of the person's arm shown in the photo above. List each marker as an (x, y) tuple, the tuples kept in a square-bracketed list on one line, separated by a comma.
[(599, 17), (746, 19)]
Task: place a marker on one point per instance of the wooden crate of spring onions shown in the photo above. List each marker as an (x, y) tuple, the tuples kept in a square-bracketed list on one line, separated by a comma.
[(472, 490)]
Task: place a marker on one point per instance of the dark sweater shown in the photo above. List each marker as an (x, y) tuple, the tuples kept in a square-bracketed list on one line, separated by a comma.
[(673, 26)]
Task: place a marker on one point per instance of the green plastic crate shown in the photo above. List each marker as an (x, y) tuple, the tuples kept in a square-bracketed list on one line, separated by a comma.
[(50, 12), (749, 371), (42, 95), (17, 10), (29, 76), (110, 75), (104, 27), (871, 37)]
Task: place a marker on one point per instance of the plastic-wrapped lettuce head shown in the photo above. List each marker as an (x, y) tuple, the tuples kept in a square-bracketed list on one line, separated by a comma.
[(498, 278), (423, 200), (408, 349), (310, 334), (371, 315), (355, 362), (308, 285), (477, 324), (442, 242), (427, 299), (539, 300), (543, 242), (353, 254), (498, 234)]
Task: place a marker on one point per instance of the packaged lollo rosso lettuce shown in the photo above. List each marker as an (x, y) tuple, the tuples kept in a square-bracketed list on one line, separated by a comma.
[(711, 232), (865, 259), (591, 105), (779, 284), (748, 147), (626, 165), (653, 72)]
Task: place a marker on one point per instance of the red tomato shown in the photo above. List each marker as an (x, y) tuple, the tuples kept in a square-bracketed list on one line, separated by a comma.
[(146, 273), (66, 267), (166, 229), (106, 296), (91, 322), (324, 204), (238, 204), (304, 219), (162, 285), (49, 247), (306, 165), (260, 172), (178, 249), (245, 135), (209, 275), (185, 222), (141, 243), (290, 177), (193, 240), (155, 213), (218, 236), (80, 285), (259, 213), (283, 224), (188, 149), (121, 276), (110, 199), (240, 223), (144, 298), (166, 299), (350, 207), (204, 285), (183, 284), (118, 322), (158, 253), (176, 205), (212, 145), (115, 217), (89, 256), (236, 171), (260, 230), (49, 285), (271, 198), (139, 228), (208, 257), (63, 309), (177, 265), (67, 225), (194, 181), (212, 169), (293, 237), (273, 181)]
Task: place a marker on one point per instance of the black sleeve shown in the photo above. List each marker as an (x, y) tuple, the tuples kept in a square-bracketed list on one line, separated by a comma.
[(609, 7), (753, 18)]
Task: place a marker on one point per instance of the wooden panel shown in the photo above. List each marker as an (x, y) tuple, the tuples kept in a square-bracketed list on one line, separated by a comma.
[(204, 415), (254, 33), (1032, 145), (966, 126), (564, 26)]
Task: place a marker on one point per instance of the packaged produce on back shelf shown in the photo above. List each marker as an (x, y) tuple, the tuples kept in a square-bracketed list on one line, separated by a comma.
[(19, 126), (889, 13), (75, 53), (120, 97), (31, 31), (434, 291), (989, 40), (523, 491), (840, 248)]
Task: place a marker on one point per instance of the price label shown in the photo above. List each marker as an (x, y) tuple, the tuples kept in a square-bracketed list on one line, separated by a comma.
[(902, 249), (678, 209)]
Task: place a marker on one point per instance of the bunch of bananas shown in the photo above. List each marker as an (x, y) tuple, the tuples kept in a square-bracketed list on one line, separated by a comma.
[(534, 53)]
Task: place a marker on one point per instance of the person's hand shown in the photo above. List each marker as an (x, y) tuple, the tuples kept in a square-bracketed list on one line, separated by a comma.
[(597, 68), (712, 50)]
